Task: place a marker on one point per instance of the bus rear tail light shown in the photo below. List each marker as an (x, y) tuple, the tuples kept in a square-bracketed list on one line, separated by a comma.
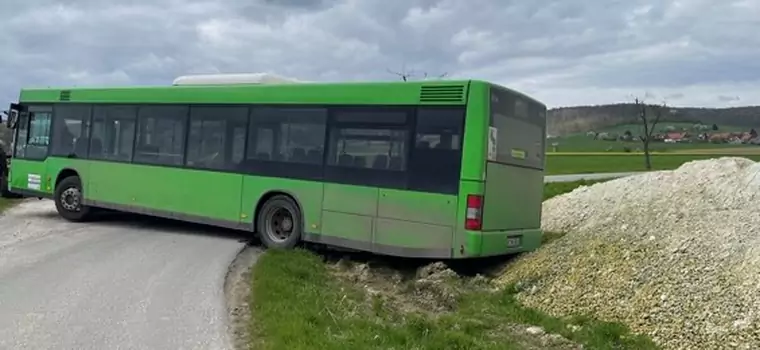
[(473, 219)]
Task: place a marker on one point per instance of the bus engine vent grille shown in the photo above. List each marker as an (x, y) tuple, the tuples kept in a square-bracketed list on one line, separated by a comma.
[(65, 95), (442, 93)]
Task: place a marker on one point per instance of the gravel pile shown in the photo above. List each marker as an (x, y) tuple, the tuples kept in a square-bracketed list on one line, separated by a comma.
[(673, 254)]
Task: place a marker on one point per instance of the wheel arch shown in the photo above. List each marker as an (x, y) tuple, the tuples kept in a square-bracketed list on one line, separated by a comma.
[(268, 195), (67, 172)]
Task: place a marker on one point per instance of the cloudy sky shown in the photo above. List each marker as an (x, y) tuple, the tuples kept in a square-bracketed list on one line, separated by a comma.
[(563, 52)]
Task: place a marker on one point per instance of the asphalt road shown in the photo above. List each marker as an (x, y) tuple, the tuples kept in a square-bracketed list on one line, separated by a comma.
[(576, 177), (125, 282)]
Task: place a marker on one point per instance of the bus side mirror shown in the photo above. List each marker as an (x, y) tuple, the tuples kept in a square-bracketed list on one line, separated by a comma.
[(12, 119), (12, 115)]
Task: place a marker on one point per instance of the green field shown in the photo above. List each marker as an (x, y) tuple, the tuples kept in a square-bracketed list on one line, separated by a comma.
[(581, 142), (581, 164), (554, 189)]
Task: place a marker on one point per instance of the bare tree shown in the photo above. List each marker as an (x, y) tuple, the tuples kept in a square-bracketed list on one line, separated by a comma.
[(405, 74), (649, 116)]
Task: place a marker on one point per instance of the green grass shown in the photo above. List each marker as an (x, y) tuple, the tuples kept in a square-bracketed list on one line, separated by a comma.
[(581, 164), (298, 304), (6, 203), (552, 189)]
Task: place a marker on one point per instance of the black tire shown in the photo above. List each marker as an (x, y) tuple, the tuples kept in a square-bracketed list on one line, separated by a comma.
[(68, 200), (279, 223)]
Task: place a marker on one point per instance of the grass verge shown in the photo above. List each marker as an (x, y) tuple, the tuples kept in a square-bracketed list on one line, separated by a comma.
[(6, 203), (553, 189), (581, 164), (300, 302)]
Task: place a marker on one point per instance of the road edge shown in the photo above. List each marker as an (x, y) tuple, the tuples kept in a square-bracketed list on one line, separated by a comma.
[(237, 292)]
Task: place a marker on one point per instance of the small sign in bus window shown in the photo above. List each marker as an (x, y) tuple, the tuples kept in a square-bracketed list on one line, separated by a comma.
[(493, 143)]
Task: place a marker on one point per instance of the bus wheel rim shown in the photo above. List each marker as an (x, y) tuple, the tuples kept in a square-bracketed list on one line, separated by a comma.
[(70, 199), (279, 224)]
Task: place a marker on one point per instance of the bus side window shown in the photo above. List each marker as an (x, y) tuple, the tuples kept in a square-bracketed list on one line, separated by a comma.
[(214, 137), (287, 134), (113, 132), (436, 158), (161, 135), (70, 131)]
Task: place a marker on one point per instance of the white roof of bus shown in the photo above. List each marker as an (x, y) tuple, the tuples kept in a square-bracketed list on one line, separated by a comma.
[(240, 78)]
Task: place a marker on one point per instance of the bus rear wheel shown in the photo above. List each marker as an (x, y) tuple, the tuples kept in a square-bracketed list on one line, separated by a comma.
[(68, 200), (279, 223)]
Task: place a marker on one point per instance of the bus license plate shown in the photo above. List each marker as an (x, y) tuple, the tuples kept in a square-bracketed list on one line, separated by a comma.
[(513, 242)]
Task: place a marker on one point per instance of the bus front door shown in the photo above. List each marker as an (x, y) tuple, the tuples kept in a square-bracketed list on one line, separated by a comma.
[(29, 149)]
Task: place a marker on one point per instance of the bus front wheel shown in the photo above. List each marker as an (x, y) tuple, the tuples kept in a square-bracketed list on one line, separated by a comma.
[(68, 200), (279, 223)]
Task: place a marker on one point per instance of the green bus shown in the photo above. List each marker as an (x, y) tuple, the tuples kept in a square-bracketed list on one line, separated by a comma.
[(433, 169)]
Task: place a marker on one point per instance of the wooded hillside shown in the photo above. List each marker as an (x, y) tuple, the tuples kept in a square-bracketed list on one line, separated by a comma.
[(568, 120)]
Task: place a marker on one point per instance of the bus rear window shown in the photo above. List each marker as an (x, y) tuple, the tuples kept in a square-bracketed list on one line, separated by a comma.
[(517, 132)]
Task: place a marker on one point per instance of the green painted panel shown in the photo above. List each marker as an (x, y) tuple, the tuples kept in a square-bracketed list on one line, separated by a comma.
[(308, 194), (391, 93), (476, 132), (348, 226), (412, 234), (57, 164), (513, 197), (431, 208), (114, 183), (28, 175), (348, 211), (195, 192), (358, 200), (43, 173)]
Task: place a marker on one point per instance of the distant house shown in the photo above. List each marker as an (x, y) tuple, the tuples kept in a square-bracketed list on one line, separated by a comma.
[(676, 136), (719, 137)]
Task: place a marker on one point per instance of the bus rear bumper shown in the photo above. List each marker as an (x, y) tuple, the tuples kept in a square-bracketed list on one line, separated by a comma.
[(506, 242)]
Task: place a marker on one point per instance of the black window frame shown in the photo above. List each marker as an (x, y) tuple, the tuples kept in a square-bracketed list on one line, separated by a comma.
[(366, 176)]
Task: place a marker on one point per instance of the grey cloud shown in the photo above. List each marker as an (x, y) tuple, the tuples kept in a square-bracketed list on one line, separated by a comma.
[(675, 96), (544, 46), (723, 98)]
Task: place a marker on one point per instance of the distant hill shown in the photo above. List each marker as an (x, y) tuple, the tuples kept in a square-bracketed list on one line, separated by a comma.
[(568, 120)]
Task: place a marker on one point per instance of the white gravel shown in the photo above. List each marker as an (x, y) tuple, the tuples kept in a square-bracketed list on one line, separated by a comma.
[(673, 254)]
